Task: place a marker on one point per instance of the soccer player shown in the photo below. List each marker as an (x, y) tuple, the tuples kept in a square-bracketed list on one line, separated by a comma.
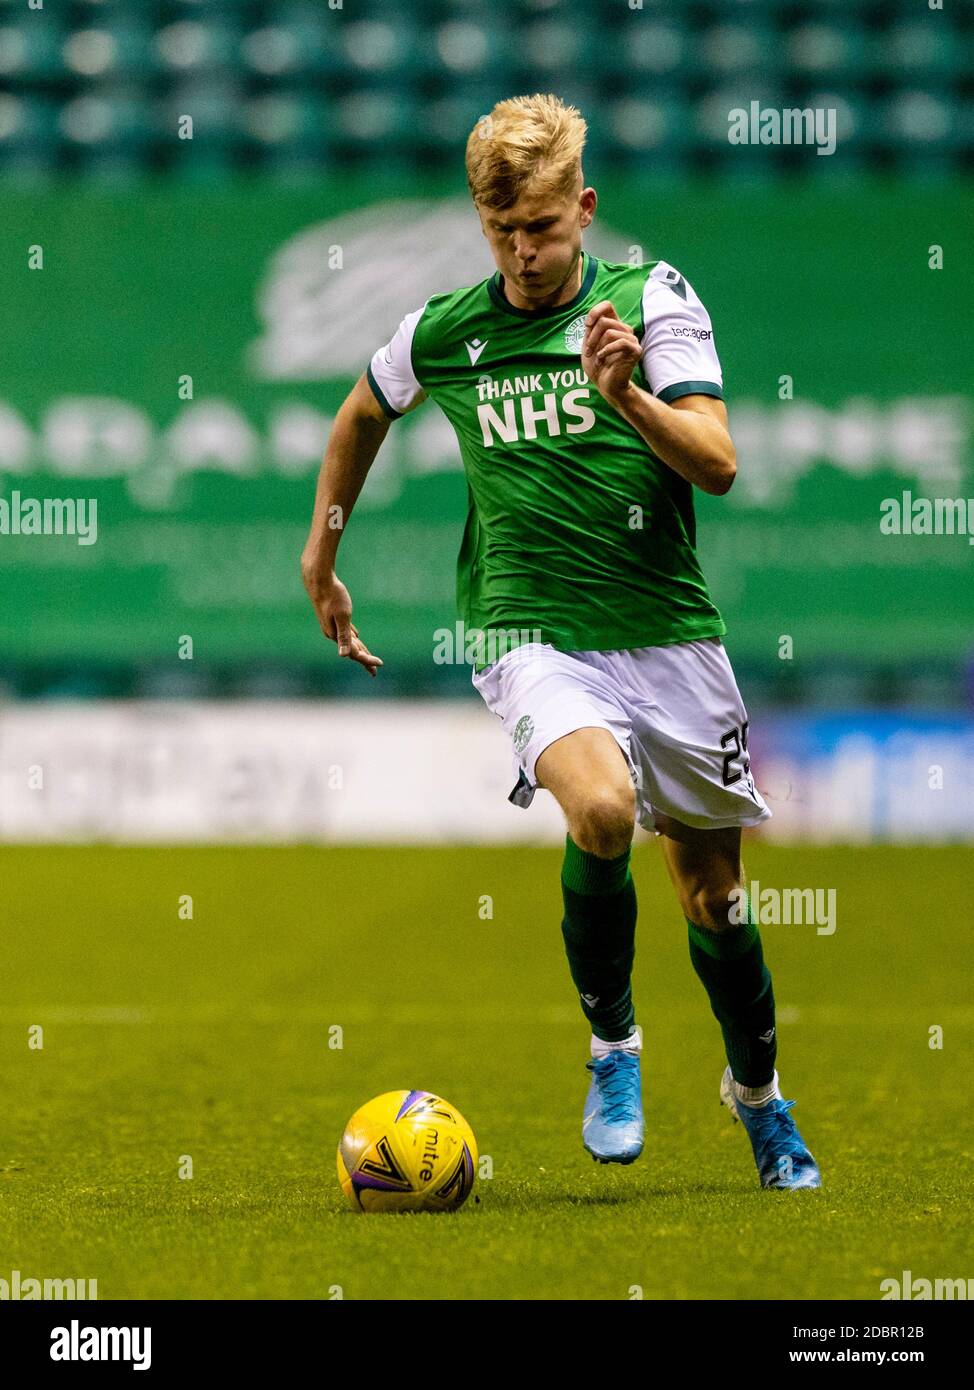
[(587, 402)]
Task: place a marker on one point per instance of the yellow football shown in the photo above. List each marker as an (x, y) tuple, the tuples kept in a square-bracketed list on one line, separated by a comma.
[(407, 1151)]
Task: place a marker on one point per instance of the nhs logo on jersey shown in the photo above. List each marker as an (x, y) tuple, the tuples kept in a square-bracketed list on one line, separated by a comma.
[(510, 410)]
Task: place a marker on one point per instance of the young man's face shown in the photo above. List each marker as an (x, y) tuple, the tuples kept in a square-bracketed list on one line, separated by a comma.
[(536, 244)]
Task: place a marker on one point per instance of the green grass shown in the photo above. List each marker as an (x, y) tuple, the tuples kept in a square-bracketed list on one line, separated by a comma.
[(209, 1038)]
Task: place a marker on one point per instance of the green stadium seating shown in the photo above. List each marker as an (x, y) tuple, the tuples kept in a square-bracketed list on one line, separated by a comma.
[(215, 108), (30, 46), (197, 45), (649, 125), (911, 50), (728, 50), (29, 134), (465, 49), (408, 78), (383, 117), (97, 121), (832, 50), (920, 123), (292, 122), (375, 48), (656, 49)]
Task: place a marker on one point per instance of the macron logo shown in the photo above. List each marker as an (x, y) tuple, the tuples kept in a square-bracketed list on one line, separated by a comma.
[(474, 350)]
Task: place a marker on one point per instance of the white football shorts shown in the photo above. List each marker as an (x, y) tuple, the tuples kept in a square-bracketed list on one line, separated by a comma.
[(675, 712)]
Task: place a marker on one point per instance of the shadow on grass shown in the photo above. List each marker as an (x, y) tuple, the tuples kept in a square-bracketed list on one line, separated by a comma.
[(624, 1197)]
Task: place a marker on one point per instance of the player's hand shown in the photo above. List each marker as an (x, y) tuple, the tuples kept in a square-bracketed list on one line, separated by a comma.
[(333, 606), (610, 350)]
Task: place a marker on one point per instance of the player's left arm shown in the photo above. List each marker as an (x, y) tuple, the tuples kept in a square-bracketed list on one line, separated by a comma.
[(690, 434)]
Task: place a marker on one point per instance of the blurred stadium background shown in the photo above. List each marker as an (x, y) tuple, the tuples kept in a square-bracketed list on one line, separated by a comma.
[(204, 304)]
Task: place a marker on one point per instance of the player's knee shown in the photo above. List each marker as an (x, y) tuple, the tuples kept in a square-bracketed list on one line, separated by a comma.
[(708, 905), (603, 824)]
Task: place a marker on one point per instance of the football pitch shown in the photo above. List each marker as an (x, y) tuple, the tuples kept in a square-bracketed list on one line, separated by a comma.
[(236, 1043)]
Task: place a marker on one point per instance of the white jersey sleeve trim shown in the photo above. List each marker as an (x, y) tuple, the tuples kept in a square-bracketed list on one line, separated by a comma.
[(679, 356), (390, 372)]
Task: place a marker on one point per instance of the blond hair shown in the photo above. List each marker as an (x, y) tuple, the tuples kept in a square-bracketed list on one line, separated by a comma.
[(531, 142)]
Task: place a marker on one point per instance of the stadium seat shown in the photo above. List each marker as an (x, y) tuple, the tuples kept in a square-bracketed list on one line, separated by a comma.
[(651, 50), (369, 117), (215, 108), (853, 120), (375, 48), (114, 46), (296, 38), (919, 121), (832, 50), (95, 121), (29, 134), (711, 114), (30, 48), (291, 122), (547, 46), (91, 53), (912, 50), (275, 51), (727, 50), (648, 125), (448, 119), (196, 46), (465, 49)]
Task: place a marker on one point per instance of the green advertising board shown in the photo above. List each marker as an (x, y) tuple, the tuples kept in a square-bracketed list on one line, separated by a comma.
[(177, 355)]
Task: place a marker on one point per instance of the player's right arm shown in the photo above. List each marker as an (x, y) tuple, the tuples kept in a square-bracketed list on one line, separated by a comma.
[(387, 390), (359, 429)]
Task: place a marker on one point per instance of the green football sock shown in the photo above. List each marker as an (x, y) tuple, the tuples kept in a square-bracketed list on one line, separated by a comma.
[(731, 967), (599, 928)]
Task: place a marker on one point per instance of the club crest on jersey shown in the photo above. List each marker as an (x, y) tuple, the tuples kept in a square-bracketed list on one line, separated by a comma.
[(574, 334), (523, 730)]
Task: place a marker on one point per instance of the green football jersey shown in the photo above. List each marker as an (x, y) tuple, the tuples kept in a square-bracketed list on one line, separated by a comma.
[(576, 533)]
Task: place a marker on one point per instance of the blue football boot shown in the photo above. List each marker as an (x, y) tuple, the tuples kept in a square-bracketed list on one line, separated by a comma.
[(780, 1152), (612, 1128)]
